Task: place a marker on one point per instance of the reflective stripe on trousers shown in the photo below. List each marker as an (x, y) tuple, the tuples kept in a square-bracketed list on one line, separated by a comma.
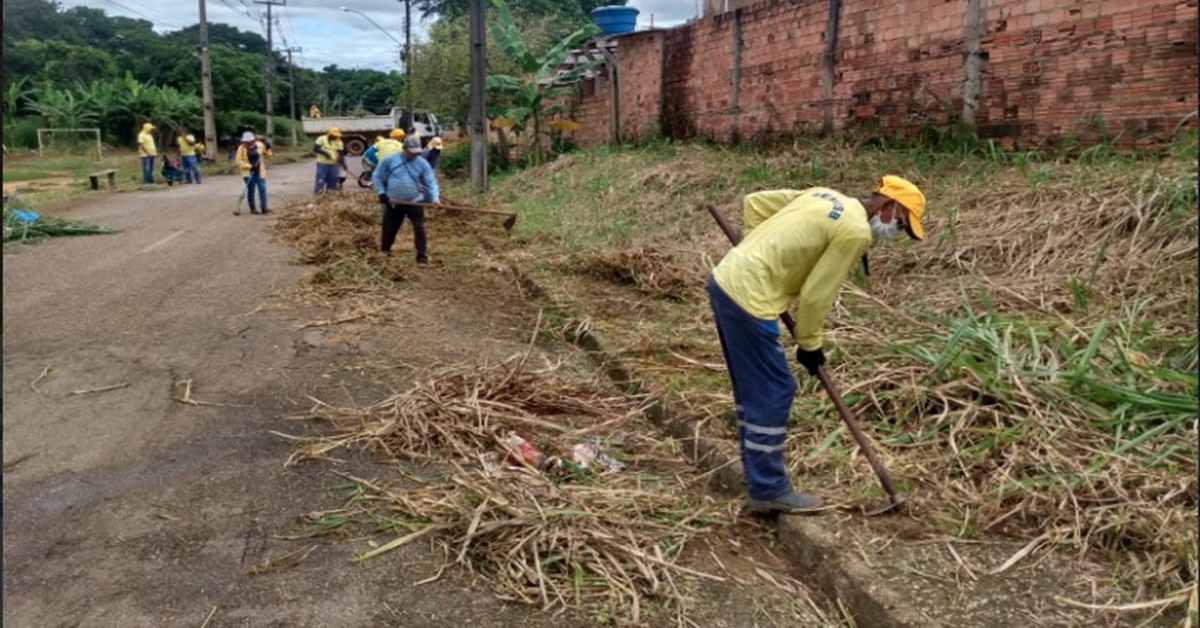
[(763, 388)]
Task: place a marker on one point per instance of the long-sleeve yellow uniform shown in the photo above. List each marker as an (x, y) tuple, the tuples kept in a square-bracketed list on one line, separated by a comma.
[(796, 244)]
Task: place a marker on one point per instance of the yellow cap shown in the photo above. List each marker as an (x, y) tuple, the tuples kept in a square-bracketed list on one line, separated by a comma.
[(335, 132), (396, 134), (904, 192), (435, 143), (148, 127)]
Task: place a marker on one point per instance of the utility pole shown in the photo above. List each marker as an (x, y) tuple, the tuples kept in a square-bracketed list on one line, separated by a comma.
[(210, 124), (408, 104), (270, 70), (292, 96), (478, 120)]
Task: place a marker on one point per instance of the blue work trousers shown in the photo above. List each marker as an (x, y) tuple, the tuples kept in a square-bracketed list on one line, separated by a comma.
[(253, 182), (191, 169), (148, 169), (327, 178), (763, 389)]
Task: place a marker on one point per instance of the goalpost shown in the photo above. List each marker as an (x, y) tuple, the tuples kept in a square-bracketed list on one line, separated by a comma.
[(84, 142)]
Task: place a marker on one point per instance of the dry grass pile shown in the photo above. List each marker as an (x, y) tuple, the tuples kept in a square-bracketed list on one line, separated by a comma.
[(576, 538), (652, 272)]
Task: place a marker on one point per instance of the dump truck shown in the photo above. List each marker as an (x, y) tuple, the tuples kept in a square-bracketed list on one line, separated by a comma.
[(359, 132)]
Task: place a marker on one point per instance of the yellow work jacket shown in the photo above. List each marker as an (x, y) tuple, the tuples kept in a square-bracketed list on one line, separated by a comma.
[(187, 146), (387, 147), (798, 244), (146, 146), (243, 159), (332, 147)]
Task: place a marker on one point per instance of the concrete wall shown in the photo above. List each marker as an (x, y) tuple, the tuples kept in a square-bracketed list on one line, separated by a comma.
[(1048, 70)]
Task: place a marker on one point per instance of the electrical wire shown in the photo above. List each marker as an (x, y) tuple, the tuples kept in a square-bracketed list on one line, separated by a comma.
[(153, 22)]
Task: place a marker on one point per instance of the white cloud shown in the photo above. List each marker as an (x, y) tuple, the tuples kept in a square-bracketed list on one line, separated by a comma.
[(326, 35), (329, 36), (667, 13)]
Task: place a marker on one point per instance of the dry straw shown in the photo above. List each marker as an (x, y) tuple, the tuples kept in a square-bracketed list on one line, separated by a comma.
[(611, 540)]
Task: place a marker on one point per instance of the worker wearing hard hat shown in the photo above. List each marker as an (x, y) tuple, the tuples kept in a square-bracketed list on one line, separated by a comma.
[(331, 158), (147, 151), (798, 245), (188, 155), (433, 151), (392, 145)]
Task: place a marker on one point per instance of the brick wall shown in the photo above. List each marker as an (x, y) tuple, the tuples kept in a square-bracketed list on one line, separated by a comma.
[(1050, 70), (641, 59)]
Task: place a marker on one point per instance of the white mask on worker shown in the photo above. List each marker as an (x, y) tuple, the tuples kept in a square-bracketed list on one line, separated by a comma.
[(884, 231)]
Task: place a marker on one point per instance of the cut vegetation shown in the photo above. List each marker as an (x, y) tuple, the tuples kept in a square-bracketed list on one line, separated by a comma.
[(1028, 372)]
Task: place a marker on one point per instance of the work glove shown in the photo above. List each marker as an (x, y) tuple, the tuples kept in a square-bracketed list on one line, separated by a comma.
[(810, 360), (383, 198)]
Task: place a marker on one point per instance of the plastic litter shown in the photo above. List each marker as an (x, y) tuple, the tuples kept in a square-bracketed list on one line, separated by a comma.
[(592, 454)]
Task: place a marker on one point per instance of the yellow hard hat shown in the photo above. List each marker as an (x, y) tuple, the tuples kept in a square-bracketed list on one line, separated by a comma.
[(904, 192), (335, 132), (435, 143), (397, 134), (147, 127)]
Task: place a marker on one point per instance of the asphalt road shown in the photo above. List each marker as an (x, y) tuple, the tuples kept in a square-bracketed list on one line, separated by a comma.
[(125, 507)]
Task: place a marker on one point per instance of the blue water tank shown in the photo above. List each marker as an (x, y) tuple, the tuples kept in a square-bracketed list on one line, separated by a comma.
[(615, 20)]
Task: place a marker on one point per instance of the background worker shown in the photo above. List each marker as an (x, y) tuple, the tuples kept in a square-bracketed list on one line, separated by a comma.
[(252, 155), (401, 180), (187, 156), (370, 157), (433, 152), (148, 151), (331, 159), (798, 245), (392, 145)]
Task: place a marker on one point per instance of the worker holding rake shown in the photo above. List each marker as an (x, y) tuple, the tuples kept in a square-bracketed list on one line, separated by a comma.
[(797, 245)]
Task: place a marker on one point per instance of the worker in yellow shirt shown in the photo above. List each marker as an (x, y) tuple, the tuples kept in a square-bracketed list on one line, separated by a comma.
[(393, 144), (187, 156), (147, 151), (331, 159), (797, 245)]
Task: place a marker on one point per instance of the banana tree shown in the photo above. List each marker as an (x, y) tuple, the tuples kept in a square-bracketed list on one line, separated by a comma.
[(539, 82), (173, 108), (61, 108), (136, 99), (16, 93), (104, 100)]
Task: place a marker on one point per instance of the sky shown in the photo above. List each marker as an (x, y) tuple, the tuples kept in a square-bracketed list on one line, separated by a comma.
[(325, 34)]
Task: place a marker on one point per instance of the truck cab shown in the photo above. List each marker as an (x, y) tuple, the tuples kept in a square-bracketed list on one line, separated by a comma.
[(423, 123)]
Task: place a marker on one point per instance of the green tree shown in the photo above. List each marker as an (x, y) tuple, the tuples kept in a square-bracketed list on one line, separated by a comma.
[(16, 93), (538, 83), (62, 109), (103, 99)]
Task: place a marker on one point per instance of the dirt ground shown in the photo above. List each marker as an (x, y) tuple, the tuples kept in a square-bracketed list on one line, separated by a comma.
[(143, 374)]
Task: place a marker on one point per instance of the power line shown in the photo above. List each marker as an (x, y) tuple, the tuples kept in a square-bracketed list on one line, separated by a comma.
[(153, 21), (288, 15), (149, 8), (241, 12)]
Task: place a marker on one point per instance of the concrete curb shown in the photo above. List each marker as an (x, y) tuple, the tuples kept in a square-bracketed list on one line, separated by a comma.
[(813, 551)]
